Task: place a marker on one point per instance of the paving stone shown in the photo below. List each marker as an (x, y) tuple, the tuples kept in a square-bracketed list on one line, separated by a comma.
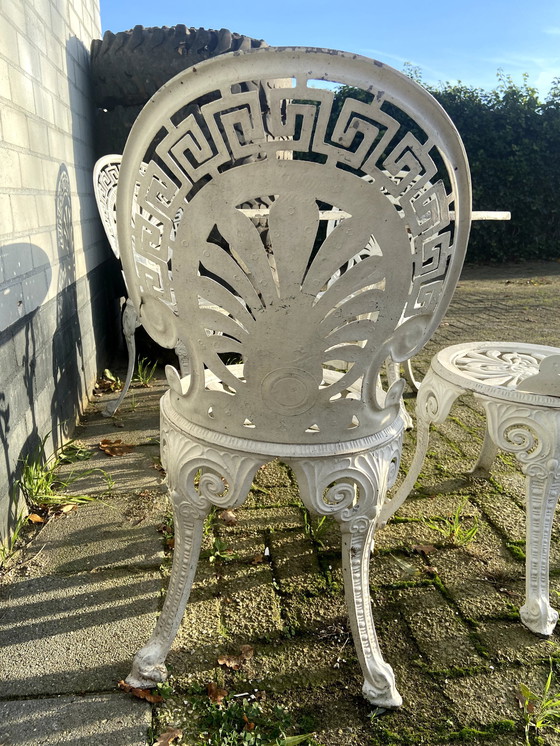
[(76, 633), (110, 534), (442, 637), (295, 563), (492, 697), (108, 719), (250, 606)]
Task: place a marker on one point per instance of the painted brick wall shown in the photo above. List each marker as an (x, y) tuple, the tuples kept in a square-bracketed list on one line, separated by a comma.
[(57, 297)]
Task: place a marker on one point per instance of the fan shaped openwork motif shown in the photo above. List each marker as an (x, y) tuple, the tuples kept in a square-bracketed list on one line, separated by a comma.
[(286, 327)]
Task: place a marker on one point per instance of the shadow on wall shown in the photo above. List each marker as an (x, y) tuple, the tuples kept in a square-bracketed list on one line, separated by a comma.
[(47, 344), (67, 348), (19, 305)]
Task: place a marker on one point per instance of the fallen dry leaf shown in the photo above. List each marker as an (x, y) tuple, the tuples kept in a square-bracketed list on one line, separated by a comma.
[(140, 693), (166, 738), (236, 661), (424, 549), (228, 517), (115, 447), (67, 508), (216, 694), (258, 559), (157, 465), (249, 726), (34, 518)]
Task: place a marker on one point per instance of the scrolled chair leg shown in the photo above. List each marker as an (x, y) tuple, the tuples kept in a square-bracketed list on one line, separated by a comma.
[(148, 667), (199, 478), (433, 404), (532, 434), (487, 456), (129, 324), (352, 489)]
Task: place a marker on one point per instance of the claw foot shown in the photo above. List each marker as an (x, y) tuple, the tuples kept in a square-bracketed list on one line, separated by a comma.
[(109, 410), (148, 669), (387, 696), (539, 617)]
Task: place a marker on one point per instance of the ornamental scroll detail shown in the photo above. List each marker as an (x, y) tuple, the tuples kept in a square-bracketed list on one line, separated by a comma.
[(294, 302)]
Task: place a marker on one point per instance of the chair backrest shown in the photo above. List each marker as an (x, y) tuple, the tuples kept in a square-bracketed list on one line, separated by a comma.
[(105, 180), (208, 146)]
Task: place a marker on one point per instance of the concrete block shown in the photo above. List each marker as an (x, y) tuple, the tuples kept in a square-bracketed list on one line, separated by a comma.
[(116, 533), (35, 289), (11, 305), (110, 719), (9, 169), (46, 209), (49, 77), (44, 103), (36, 29), (9, 41), (58, 25), (14, 10), (42, 244), (6, 223), (29, 57), (24, 213), (31, 172), (50, 172), (17, 260), (4, 80), (55, 51), (38, 137), (14, 127), (9, 366), (21, 88)]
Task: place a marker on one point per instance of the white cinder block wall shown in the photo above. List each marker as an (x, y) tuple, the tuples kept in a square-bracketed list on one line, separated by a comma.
[(56, 291)]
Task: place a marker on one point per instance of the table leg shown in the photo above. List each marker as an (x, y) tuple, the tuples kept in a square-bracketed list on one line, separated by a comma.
[(532, 435), (433, 404)]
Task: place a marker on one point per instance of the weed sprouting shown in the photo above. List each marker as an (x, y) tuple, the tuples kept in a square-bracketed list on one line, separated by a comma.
[(539, 711), (315, 529), (8, 547), (243, 721), (145, 372), (220, 551), (41, 484), (451, 527), (109, 382)]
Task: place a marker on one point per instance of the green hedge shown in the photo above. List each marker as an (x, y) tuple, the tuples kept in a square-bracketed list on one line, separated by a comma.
[(513, 144)]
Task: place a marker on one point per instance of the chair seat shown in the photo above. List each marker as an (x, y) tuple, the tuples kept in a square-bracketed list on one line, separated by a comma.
[(171, 412)]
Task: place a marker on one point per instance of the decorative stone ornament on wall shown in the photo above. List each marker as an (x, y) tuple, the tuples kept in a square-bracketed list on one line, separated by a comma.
[(265, 315)]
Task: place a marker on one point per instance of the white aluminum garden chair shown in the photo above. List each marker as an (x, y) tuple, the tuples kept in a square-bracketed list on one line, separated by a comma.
[(282, 307), (105, 182)]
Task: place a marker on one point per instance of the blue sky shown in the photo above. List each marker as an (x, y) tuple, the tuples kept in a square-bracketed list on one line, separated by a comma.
[(467, 41)]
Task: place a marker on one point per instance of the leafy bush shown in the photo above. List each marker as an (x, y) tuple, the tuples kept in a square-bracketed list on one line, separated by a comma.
[(513, 145)]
